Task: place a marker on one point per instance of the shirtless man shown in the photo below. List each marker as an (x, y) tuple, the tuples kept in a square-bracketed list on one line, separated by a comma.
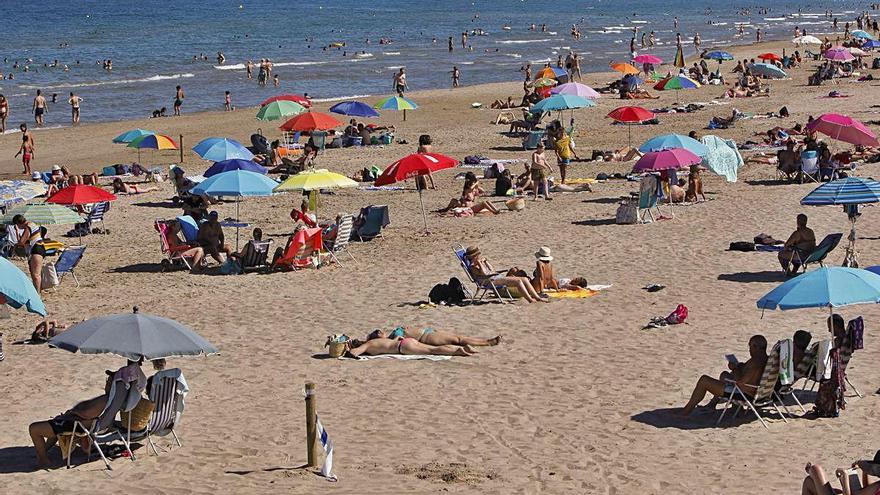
[(4, 112), (406, 345), (747, 375), (399, 82), (74, 102), (799, 245), (787, 160), (40, 108), (211, 238), (178, 101), (539, 170)]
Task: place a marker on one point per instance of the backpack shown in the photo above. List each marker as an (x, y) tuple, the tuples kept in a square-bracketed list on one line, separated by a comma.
[(742, 246), (678, 316), (449, 293)]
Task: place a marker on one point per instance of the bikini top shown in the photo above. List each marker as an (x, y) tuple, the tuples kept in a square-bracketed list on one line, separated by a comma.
[(398, 333)]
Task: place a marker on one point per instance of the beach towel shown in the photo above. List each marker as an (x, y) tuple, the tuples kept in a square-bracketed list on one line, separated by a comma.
[(571, 294), (723, 157), (786, 362), (402, 357), (381, 188), (823, 360)]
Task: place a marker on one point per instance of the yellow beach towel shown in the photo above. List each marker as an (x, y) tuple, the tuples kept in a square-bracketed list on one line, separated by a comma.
[(572, 294)]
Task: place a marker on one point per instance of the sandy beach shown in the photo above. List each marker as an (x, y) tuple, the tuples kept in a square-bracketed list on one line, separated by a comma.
[(577, 399)]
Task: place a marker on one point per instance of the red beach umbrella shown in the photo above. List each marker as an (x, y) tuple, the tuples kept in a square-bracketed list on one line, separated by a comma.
[(629, 116), (302, 100), (80, 194), (310, 121), (770, 56), (413, 165)]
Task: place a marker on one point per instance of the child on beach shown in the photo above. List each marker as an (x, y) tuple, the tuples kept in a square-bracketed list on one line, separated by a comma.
[(26, 150), (228, 102)]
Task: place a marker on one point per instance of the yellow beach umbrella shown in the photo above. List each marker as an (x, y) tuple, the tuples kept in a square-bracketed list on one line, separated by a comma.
[(315, 180), (544, 81)]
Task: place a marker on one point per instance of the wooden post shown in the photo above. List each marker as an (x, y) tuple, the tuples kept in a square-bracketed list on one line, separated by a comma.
[(181, 148), (311, 425)]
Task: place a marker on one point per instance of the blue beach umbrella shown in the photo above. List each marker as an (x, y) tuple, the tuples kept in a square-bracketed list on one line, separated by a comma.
[(18, 289), (354, 109), (669, 141), (237, 183), (827, 287), (235, 164), (129, 136), (718, 55), (858, 33), (768, 70), (218, 149), (871, 44), (561, 102), (850, 192)]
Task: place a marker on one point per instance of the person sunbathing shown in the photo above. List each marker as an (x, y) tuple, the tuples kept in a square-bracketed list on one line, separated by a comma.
[(45, 330), (543, 277), (746, 375), (406, 346), (501, 104), (469, 193), (44, 434), (122, 187), (482, 272), (800, 244), (433, 337), (816, 482)]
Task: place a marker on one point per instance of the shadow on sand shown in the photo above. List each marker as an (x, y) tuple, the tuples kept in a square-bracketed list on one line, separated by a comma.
[(750, 277)]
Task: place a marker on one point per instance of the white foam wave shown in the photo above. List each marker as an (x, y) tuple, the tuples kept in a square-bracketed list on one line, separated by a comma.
[(339, 98), (514, 55), (774, 18), (363, 55), (230, 67), (390, 53), (297, 64), (159, 77), (520, 42)]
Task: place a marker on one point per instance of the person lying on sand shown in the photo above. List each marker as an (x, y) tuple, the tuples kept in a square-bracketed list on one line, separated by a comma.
[(407, 346), (501, 104), (482, 272), (746, 375), (433, 337), (816, 483), (47, 329), (44, 434), (122, 187)]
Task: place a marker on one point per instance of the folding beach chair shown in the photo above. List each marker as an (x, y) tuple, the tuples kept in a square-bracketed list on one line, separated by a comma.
[(852, 480), (318, 139), (648, 198), (531, 141), (764, 394), (483, 287), (119, 399), (809, 166), (303, 250), (173, 251), (371, 220), (343, 237), (96, 214), (256, 256), (820, 253), (67, 262), (189, 228), (167, 393)]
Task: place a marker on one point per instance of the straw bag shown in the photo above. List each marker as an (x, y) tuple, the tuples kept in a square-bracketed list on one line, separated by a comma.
[(140, 415), (336, 345), (516, 204)]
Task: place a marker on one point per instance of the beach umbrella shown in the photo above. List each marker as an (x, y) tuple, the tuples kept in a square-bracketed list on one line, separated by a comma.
[(279, 109), (396, 103), (17, 191), (858, 33), (43, 214), (134, 336), (648, 59), (770, 56), (544, 82), (857, 52), (826, 287), (624, 68), (299, 99), (768, 70), (719, 55), (630, 116), (671, 141), (843, 128), (17, 289), (871, 44), (806, 40), (315, 180), (850, 192), (677, 83), (561, 102), (129, 136), (354, 109), (153, 141), (80, 194), (576, 89), (838, 54), (552, 72), (723, 157), (236, 183), (670, 159), (679, 58), (235, 164), (218, 149), (413, 165), (310, 121)]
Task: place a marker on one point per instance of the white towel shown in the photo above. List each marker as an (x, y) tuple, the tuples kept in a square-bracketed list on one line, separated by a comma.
[(823, 360), (404, 357), (786, 362)]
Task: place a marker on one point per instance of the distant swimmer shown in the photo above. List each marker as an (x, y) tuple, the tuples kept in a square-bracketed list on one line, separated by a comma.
[(74, 102), (451, 47), (221, 59), (178, 100), (40, 108)]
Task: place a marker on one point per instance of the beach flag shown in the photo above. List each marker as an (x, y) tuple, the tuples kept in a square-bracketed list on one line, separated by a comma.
[(679, 57), (327, 445)]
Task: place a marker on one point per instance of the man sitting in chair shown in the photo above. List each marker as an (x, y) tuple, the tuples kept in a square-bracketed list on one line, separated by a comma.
[(800, 244), (747, 375), (211, 238), (248, 250)]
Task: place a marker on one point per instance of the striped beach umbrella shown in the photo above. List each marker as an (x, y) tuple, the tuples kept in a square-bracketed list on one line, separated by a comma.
[(129, 136), (851, 191), (44, 214), (552, 72), (153, 141), (396, 103)]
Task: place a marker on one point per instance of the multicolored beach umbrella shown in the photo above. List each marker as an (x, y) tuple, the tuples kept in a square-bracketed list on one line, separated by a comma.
[(279, 109), (17, 191), (676, 82), (552, 72), (129, 136), (44, 214), (153, 141), (544, 82), (396, 103)]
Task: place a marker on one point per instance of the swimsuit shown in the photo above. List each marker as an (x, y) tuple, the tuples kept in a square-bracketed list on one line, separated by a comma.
[(425, 332), (39, 111), (398, 333), (401, 342)]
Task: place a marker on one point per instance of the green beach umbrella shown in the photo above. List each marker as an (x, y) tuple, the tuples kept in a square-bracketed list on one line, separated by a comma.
[(280, 109), (396, 103), (44, 214)]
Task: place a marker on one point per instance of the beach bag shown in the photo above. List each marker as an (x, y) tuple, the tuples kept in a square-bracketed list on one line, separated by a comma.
[(742, 246), (678, 316), (826, 400), (457, 294), (230, 267), (627, 213), (49, 277), (439, 293)]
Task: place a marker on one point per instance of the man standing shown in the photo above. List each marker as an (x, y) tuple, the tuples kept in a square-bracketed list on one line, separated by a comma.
[(40, 108), (178, 100), (400, 82), (74, 102), (456, 76), (450, 45)]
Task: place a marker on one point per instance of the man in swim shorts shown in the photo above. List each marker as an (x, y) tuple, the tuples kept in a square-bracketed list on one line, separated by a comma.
[(40, 108), (178, 101)]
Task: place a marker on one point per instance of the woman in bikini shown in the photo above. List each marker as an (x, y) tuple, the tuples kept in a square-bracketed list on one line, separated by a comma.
[(406, 346), (433, 337), (482, 272), (122, 187)]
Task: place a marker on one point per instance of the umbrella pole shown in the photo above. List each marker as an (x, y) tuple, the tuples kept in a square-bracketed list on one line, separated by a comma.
[(424, 215), (629, 133), (404, 115), (850, 259)]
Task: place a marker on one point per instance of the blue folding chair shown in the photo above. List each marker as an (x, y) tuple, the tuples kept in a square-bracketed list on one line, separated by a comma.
[(67, 262)]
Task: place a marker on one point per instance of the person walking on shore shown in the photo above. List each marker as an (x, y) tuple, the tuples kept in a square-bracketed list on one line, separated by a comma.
[(697, 42), (228, 102), (249, 67), (74, 102), (400, 82), (4, 113), (178, 101), (40, 108), (456, 76)]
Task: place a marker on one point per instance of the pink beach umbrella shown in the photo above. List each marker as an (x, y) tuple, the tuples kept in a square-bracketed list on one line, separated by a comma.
[(674, 158), (648, 59), (576, 89), (838, 54), (844, 128)]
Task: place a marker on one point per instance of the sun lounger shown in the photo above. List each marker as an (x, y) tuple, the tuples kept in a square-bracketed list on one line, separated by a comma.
[(302, 251), (343, 236), (764, 395), (67, 262), (820, 253), (371, 220), (482, 287)]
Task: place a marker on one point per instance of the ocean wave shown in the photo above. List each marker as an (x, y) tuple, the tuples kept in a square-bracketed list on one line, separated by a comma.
[(390, 53), (774, 18), (230, 67), (297, 64), (363, 55), (158, 77), (514, 55), (519, 42), (339, 98), (466, 63)]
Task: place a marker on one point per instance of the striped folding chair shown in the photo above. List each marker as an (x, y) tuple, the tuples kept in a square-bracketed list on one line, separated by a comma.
[(165, 415), (764, 394), (343, 237), (97, 215), (256, 255)]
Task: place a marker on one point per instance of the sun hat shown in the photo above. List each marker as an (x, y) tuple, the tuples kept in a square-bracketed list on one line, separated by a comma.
[(36, 175), (543, 254), (472, 251), (56, 167)]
